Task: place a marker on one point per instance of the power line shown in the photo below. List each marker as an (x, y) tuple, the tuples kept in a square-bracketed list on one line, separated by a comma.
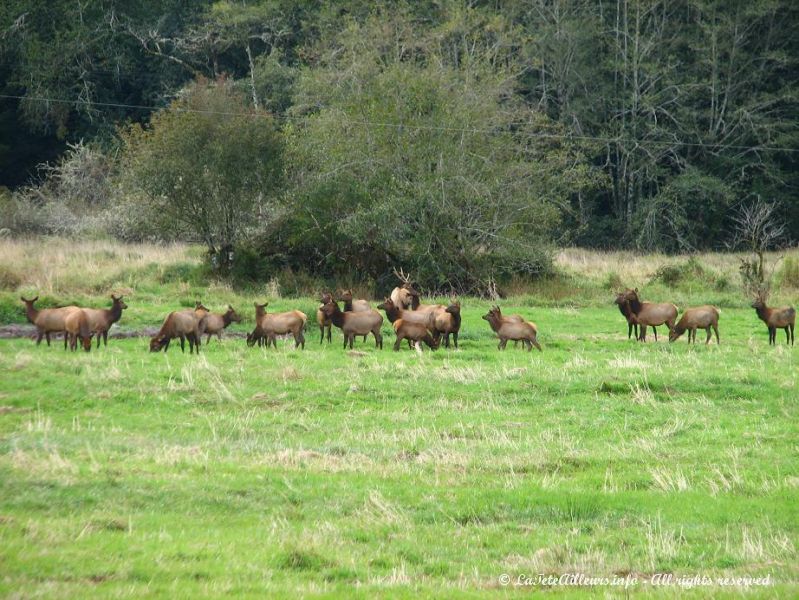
[(400, 126)]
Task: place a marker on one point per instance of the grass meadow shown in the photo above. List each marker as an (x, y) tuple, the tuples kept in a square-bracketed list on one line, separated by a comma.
[(326, 472)]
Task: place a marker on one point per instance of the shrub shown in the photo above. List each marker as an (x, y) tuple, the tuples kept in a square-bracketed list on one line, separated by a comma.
[(788, 275), (9, 278)]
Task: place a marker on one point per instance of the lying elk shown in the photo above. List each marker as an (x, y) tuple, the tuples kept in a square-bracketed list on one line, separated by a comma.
[(401, 295), (271, 325), (395, 313), (355, 323), (216, 323), (77, 326), (413, 332), (776, 318), (627, 313), (649, 314), (46, 320), (184, 324), (701, 317), (101, 319), (507, 329), (448, 322), (324, 322)]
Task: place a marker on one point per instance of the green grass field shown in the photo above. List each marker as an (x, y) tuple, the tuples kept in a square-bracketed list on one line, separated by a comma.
[(325, 472)]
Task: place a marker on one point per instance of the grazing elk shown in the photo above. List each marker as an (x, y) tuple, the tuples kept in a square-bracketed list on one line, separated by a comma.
[(184, 324), (324, 322), (101, 319), (355, 323), (47, 320), (627, 313), (448, 322), (271, 325), (413, 332), (76, 326), (776, 318), (216, 323), (401, 295), (649, 314), (701, 317), (508, 329)]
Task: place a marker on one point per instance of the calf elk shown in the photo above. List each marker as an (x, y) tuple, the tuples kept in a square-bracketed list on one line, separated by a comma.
[(448, 321), (355, 323), (413, 332), (324, 322), (701, 317), (77, 326), (271, 325), (508, 329), (216, 323), (101, 319), (183, 324), (776, 318)]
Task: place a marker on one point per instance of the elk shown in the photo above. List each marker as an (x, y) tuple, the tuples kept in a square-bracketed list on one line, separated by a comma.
[(401, 295), (626, 311), (351, 305), (394, 313), (271, 325), (183, 324), (355, 323), (448, 322), (776, 318), (648, 314), (216, 323), (77, 326), (101, 319), (701, 317), (47, 320), (507, 329), (413, 332), (322, 320)]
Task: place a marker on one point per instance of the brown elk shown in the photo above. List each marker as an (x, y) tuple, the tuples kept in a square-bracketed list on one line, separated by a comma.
[(351, 305), (776, 318), (448, 322), (355, 323), (47, 320), (701, 317), (507, 329), (649, 314), (394, 313), (413, 332), (76, 326), (627, 313), (183, 324), (401, 295), (325, 324), (216, 323), (101, 319), (271, 325)]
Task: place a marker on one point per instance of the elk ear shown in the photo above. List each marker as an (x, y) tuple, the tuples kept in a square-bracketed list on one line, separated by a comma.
[(636, 290)]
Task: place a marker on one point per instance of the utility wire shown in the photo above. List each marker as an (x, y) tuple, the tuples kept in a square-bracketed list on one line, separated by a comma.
[(399, 126)]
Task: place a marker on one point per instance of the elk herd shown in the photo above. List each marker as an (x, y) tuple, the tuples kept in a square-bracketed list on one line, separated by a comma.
[(412, 320)]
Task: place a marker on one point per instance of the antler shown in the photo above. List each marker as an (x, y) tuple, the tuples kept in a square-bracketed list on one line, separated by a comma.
[(404, 277)]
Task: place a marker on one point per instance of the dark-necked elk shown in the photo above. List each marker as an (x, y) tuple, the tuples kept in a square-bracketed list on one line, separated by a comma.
[(413, 332), (355, 323), (776, 318), (216, 323), (627, 313), (185, 325), (47, 320), (448, 322), (649, 314), (76, 327), (401, 295), (101, 319), (395, 313), (351, 305), (324, 322), (701, 317), (507, 329), (270, 325)]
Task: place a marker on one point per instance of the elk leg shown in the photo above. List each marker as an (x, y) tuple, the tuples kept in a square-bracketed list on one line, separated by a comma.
[(398, 342), (66, 338), (329, 334), (655, 331), (642, 330), (322, 332), (792, 334), (39, 337), (787, 336), (182, 343), (166, 346), (455, 339), (105, 338), (716, 330), (503, 343), (47, 336), (709, 335)]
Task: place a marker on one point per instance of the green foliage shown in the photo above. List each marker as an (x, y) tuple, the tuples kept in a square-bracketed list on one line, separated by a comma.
[(788, 275)]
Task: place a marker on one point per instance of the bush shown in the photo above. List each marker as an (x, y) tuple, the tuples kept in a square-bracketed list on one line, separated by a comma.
[(10, 279), (788, 275), (677, 273)]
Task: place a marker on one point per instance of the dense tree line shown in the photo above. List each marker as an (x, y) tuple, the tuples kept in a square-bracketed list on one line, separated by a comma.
[(463, 138)]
